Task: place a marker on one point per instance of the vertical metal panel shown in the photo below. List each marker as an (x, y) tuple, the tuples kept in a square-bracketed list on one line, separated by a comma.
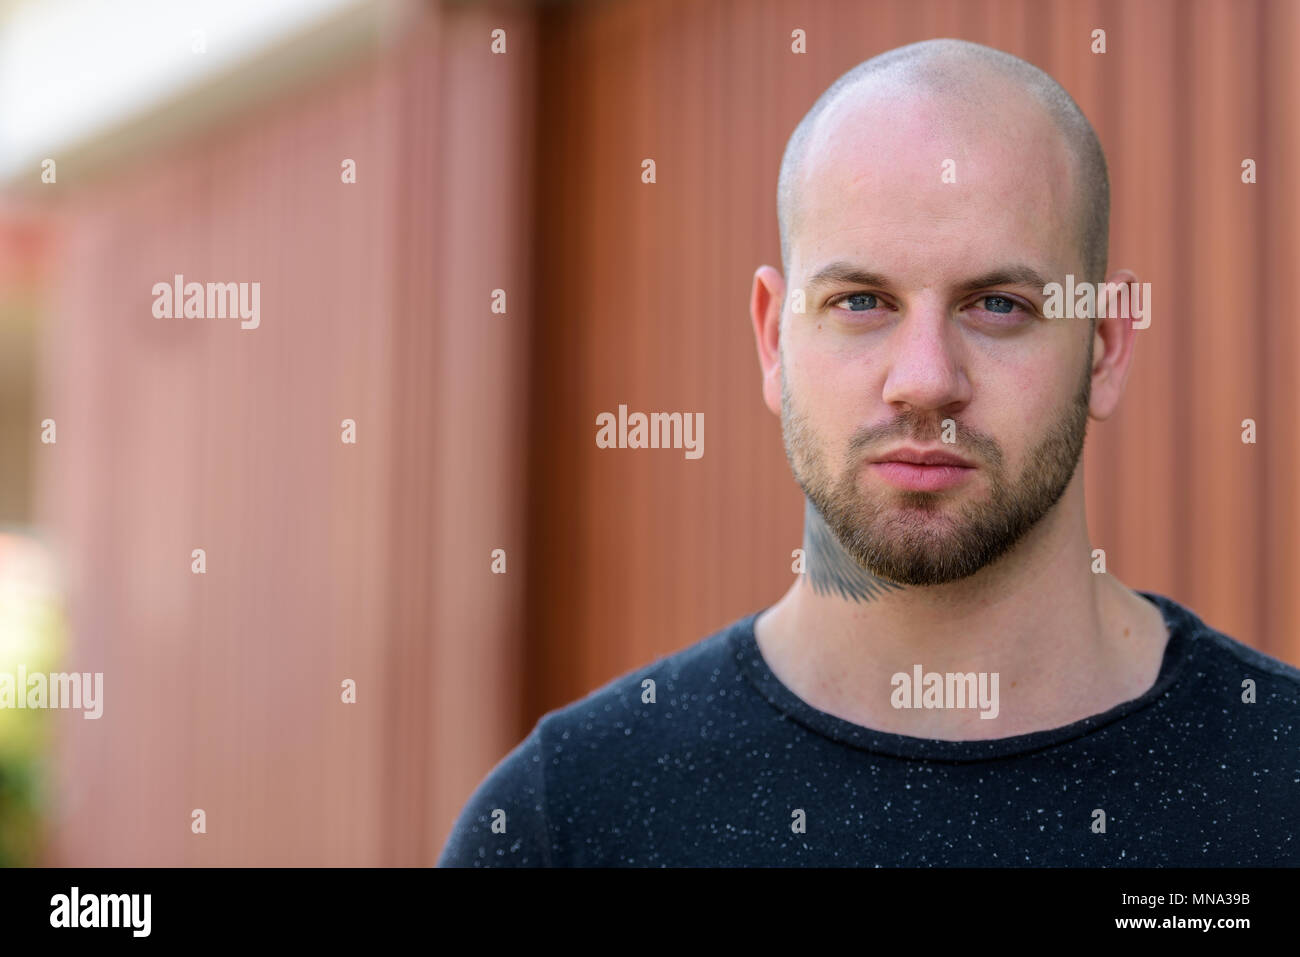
[(325, 561), (1277, 220)]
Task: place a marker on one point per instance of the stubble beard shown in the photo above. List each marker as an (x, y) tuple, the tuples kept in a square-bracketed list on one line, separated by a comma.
[(917, 537)]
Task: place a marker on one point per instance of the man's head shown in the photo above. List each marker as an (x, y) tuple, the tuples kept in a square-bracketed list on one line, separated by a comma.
[(924, 202), (954, 71)]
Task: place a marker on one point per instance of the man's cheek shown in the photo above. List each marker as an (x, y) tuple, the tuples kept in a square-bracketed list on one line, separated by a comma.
[(1025, 404), (1031, 402), (834, 410), (826, 370), (820, 397)]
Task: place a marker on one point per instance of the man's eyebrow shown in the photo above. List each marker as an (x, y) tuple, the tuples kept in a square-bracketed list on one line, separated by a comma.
[(844, 272), (1016, 275)]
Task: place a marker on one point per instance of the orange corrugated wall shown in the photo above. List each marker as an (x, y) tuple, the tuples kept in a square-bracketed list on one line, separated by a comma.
[(325, 561)]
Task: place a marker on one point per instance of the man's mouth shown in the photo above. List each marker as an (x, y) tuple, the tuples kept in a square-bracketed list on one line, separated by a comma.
[(922, 470)]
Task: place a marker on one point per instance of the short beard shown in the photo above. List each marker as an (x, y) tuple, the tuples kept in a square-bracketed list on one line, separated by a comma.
[(885, 536)]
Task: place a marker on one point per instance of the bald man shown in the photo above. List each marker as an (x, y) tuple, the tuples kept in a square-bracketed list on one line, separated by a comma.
[(952, 680)]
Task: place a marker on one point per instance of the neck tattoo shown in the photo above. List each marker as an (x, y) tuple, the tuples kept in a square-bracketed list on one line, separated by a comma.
[(832, 569)]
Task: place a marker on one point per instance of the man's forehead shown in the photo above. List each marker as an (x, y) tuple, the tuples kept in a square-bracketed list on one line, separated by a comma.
[(915, 169), (895, 112)]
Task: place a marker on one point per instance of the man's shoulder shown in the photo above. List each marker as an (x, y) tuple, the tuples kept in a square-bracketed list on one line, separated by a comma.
[(1230, 649), (1216, 652), (654, 720), (672, 691)]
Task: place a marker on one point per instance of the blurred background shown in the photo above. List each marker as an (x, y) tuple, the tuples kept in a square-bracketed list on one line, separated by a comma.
[(212, 139)]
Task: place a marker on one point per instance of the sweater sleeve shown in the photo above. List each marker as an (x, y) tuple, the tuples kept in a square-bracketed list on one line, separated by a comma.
[(504, 822)]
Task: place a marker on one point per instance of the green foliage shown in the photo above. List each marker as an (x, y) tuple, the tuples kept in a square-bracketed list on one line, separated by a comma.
[(32, 636)]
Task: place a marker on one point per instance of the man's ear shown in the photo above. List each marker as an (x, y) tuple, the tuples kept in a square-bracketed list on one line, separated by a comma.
[(765, 304), (1112, 348)]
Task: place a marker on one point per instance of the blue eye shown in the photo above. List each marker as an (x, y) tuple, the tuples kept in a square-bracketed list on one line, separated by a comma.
[(871, 304), (999, 304)]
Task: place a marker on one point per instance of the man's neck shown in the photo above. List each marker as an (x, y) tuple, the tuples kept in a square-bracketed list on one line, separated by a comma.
[(1063, 641)]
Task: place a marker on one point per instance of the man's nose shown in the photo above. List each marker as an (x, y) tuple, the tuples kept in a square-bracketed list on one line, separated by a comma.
[(926, 366)]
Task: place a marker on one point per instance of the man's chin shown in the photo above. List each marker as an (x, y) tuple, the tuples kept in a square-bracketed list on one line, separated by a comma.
[(916, 571), (915, 549), (918, 576)]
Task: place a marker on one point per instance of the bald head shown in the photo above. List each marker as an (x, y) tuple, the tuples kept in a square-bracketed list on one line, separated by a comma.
[(967, 81)]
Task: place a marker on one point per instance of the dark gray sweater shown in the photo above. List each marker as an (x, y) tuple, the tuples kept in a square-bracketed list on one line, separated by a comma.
[(729, 768)]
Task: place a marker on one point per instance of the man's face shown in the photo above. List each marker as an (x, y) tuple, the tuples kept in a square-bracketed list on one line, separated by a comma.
[(934, 344)]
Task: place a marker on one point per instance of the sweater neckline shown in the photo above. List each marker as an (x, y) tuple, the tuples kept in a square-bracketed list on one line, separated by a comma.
[(1181, 623)]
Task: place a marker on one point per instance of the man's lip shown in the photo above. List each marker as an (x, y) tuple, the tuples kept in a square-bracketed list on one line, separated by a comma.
[(913, 456)]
